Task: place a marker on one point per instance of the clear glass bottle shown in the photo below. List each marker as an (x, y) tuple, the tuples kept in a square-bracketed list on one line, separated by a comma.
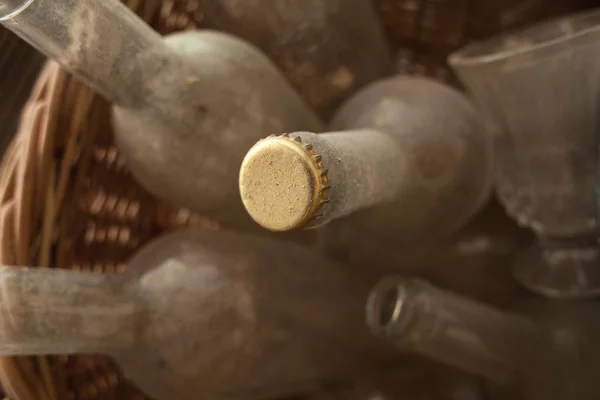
[(186, 107), (549, 351), (408, 157), (202, 313), (538, 89), (327, 48)]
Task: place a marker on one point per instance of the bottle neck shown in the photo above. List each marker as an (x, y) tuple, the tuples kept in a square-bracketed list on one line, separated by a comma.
[(364, 169), (53, 311), (100, 42), (453, 330)]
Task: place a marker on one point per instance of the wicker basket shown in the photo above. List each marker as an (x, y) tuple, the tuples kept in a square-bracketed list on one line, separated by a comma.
[(67, 200)]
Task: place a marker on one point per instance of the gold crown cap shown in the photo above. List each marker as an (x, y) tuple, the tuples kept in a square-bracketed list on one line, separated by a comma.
[(283, 183)]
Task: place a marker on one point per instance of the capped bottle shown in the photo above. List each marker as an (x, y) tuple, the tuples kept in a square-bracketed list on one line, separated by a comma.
[(327, 48), (407, 156), (186, 107), (549, 351), (201, 314)]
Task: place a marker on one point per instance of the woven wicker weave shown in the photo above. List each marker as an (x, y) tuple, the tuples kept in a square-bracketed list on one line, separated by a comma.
[(67, 200)]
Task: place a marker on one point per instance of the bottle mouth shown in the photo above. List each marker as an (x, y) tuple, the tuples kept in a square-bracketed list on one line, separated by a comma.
[(9, 9), (384, 306)]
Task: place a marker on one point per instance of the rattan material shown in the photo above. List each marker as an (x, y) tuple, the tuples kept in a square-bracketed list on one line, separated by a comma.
[(67, 201)]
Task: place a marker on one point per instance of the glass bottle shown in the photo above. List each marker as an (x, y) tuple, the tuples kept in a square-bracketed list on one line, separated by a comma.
[(202, 313), (186, 107), (327, 48), (406, 156), (549, 351), (538, 89)]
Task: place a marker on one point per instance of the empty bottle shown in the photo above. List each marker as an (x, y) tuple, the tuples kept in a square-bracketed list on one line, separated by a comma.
[(326, 48), (549, 352), (409, 153), (201, 314), (186, 108)]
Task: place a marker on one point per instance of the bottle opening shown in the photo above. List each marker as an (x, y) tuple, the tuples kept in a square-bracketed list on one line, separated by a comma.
[(390, 307), (384, 306)]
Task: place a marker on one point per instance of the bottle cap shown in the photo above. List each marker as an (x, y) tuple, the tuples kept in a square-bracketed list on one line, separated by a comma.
[(283, 183)]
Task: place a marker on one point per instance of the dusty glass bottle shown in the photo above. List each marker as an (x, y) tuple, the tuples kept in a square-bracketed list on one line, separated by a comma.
[(202, 313), (549, 351), (327, 48), (406, 156), (186, 108)]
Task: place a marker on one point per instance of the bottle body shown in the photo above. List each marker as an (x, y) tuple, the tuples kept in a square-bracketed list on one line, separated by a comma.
[(326, 48), (444, 155), (230, 315), (216, 98)]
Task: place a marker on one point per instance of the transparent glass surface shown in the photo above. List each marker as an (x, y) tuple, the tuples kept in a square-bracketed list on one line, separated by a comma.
[(417, 316), (98, 41), (547, 351), (202, 314), (539, 90)]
